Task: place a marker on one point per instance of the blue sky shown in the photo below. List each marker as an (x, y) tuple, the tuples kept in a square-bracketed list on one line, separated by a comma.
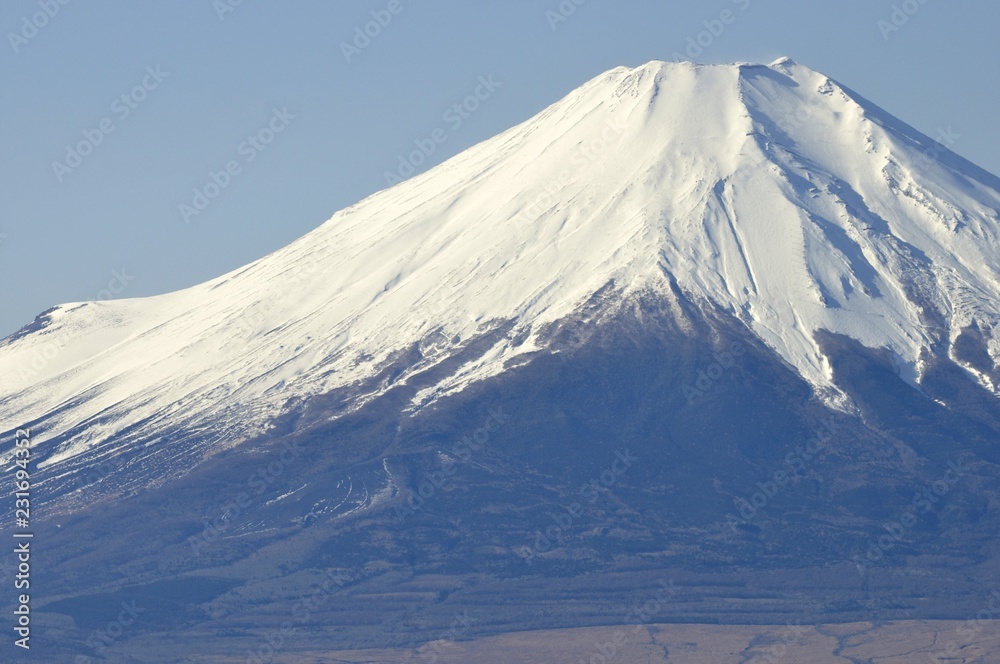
[(261, 106)]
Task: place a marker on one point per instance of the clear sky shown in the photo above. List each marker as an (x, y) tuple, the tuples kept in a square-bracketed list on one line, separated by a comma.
[(114, 112)]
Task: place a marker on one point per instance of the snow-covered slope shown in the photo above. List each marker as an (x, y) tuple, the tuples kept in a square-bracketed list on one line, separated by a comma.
[(770, 191)]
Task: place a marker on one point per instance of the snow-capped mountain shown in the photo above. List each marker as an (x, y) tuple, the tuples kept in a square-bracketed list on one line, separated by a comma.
[(732, 325), (772, 192)]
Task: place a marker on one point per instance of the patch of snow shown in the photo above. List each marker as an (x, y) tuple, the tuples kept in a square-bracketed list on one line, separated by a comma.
[(773, 192)]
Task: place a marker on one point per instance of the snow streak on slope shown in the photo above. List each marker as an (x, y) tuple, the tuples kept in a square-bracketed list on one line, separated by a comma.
[(770, 191)]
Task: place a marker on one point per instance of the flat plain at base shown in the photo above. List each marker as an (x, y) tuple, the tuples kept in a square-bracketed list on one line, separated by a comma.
[(901, 642)]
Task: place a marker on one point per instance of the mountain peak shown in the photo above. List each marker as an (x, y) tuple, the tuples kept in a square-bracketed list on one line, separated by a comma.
[(767, 191), (784, 65)]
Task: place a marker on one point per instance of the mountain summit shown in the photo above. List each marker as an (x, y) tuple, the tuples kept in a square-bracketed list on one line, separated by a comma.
[(772, 192)]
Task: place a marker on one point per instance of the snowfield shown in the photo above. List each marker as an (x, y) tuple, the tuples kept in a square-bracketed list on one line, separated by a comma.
[(771, 191)]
